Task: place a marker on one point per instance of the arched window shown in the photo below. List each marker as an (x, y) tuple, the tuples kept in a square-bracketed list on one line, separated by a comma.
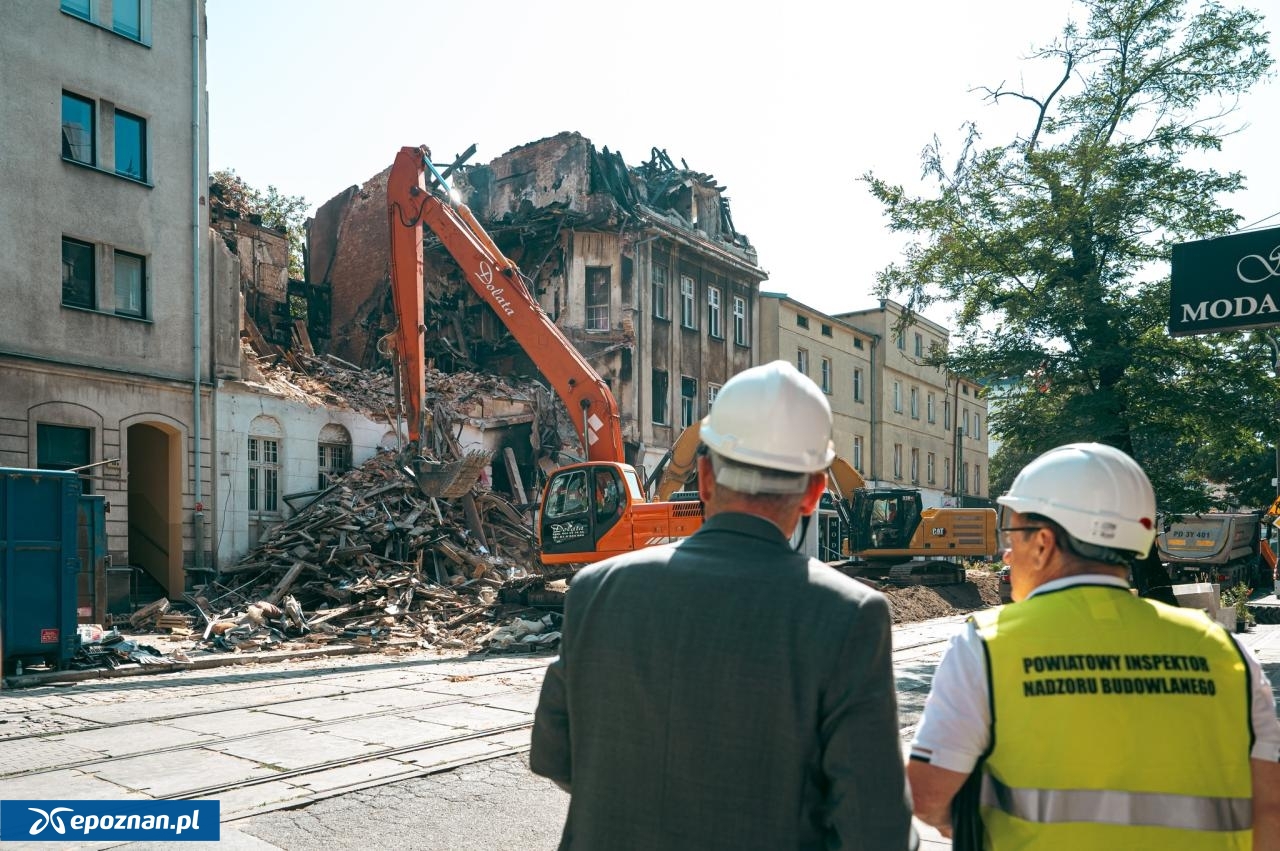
[(333, 454), (264, 465)]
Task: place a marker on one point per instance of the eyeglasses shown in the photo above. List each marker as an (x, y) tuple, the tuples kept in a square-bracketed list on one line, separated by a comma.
[(1004, 532)]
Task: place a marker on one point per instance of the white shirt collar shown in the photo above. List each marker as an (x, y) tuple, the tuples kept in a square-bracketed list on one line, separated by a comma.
[(1081, 579)]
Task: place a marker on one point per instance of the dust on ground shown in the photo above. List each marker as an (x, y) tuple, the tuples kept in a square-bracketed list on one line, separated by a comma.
[(923, 602)]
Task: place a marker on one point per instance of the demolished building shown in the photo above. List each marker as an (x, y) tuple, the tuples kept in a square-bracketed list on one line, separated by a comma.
[(640, 267)]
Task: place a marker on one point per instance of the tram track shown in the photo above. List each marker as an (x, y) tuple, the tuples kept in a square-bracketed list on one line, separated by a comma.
[(346, 762), (265, 705), (302, 726)]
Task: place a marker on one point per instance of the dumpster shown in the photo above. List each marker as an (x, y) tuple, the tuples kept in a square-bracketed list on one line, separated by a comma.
[(95, 563), (39, 566)]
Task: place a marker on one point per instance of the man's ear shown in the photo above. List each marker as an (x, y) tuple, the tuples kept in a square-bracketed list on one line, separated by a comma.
[(706, 478), (813, 494)]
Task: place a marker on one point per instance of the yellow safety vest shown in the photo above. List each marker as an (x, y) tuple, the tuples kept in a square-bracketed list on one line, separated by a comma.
[(1117, 723)]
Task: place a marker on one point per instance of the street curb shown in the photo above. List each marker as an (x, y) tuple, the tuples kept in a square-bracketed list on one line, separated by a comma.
[(200, 664)]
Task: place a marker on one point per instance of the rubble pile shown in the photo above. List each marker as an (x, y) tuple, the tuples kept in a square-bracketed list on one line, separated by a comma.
[(373, 560)]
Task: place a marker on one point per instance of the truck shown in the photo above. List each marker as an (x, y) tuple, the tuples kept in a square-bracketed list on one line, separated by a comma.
[(588, 511), (1215, 547)]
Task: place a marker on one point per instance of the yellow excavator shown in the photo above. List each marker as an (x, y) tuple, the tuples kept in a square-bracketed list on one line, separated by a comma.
[(888, 534)]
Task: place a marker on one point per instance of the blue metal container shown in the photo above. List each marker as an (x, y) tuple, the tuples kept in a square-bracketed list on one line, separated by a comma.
[(38, 566)]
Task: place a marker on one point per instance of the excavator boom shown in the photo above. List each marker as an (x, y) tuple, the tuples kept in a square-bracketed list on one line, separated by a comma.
[(413, 205)]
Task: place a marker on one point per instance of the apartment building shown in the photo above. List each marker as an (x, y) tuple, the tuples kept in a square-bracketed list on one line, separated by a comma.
[(106, 350), (838, 356), (928, 425)]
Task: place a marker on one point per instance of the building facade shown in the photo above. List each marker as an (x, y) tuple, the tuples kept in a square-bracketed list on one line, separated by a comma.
[(838, 356), (928, 425), (107, 352)]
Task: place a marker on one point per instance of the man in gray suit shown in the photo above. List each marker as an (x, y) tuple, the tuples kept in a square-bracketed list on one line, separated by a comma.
[(728, 692)]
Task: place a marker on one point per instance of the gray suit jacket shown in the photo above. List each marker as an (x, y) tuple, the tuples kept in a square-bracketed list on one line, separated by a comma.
[(724, 693)]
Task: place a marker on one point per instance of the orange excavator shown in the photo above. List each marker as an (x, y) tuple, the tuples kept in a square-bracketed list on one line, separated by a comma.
[(589, 511)]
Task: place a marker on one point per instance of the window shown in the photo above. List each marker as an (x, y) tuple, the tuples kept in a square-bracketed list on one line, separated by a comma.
[(567, 494), (915, 465), (608, 492), (661, 304), (929, 467), (660, 397), (78, 138), (264, 475), (688, 305), (857, 342), (126, 18), (977, 427), (977, 479), (965, 388), (826, 330), (78, 274), (802, 321), (713, 312), (897, 460), (947, 484), (857, 453), (333, 461), (79, 8), (964, 477), (826, 376), (333, 454), (915, 403), (131, 284), (713, 390), (802, 360), (857, 384), (131, 146), (928, 408), (597, 298), (897, 397), (901, 340), (919, 350), (966, 422), (688, 401), (64, 448), (80, 279), (740, 320), (946, 416)]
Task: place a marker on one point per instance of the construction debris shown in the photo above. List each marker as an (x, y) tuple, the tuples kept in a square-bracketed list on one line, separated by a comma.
[(372, 560)]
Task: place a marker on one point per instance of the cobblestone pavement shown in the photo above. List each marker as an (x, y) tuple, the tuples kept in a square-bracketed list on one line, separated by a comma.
[(251, 726)]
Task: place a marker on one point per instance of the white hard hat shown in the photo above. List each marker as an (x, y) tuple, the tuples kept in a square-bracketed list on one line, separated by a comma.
[(1097, 493), (771, 417)]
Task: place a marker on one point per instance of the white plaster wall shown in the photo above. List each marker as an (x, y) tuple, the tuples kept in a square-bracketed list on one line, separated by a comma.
[(238, 404)]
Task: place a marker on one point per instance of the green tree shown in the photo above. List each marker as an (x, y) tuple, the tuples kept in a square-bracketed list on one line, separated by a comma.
[(285, 212), (1054, 249)]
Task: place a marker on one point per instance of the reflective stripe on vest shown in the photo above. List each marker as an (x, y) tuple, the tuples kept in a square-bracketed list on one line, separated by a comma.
[(1111, 806)]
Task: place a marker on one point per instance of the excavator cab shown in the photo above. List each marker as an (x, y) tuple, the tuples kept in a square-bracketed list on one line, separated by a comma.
[(883, 519), (582, 504), (595, 510)]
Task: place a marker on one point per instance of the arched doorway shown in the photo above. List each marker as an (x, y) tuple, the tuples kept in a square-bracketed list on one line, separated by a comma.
[(154, 464)]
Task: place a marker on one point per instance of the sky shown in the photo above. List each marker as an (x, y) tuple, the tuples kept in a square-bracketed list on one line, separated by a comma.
[(787, 105)]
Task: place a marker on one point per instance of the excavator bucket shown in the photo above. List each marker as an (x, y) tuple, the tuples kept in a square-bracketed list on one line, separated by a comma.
[(449, 480)]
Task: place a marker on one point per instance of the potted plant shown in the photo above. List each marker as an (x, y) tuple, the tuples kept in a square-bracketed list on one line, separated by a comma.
[(1237, 598)]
